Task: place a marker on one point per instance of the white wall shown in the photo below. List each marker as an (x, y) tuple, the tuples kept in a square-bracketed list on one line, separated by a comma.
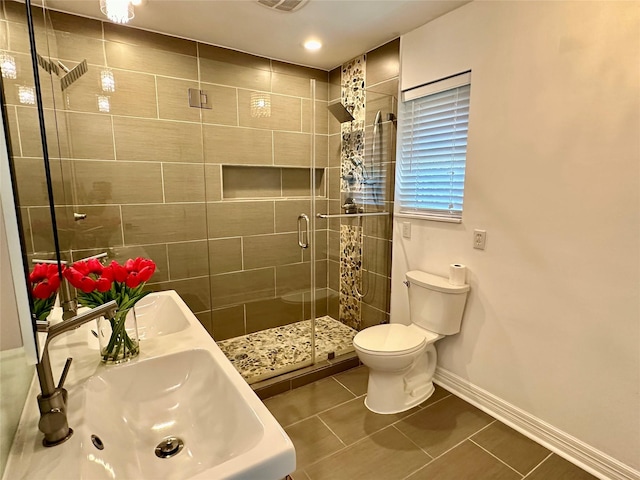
[(553, 175)]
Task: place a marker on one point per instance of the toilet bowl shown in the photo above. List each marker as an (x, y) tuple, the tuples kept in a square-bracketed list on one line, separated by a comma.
[(402, 358), (401, 361)]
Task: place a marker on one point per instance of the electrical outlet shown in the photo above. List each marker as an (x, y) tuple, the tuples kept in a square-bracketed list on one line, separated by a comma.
[(479, 239), (406, 229)]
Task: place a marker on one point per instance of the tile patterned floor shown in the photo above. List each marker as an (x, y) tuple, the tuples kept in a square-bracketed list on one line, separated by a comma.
[(445, 438), (278, 350)]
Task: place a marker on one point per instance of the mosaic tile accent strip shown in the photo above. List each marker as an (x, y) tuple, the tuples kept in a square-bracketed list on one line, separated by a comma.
[(352, 151), (350, 273), (352, 182), (267, 353)]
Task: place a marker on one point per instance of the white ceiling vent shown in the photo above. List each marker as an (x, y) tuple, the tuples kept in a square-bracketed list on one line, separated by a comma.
[(284, 5)]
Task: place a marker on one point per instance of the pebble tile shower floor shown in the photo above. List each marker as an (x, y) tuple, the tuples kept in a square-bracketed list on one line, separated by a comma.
[(444, 438), (277, 350)]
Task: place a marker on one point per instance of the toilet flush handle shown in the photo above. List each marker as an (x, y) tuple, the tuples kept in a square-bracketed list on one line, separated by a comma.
[(406, 283)]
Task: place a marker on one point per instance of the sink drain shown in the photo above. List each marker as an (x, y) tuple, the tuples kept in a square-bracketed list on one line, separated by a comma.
[(97, 442), (169, 447)]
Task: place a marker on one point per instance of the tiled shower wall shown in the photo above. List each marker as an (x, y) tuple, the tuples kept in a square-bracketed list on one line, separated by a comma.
[(212, 196), (380, 71)]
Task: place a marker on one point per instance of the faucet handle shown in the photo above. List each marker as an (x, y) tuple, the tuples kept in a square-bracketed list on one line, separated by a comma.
[(65, 371)]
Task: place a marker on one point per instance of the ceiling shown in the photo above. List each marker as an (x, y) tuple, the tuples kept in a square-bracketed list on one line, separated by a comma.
[(346, 28)]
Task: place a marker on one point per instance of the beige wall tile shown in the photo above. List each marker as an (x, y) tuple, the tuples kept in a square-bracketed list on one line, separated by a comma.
[(372, 316), (290, 85), (251, 182), (205, 319), (335, 78), (228, 322), (287, 212), (271, 313), (224, 102), (242, 146), (229, 67), (145, 39), (383, 63), (335, 148), (234, 288), (135, 93), (31, 182), (269, 250), (296, 182), (101, 229), (321, 117), (322, 150), (90, 136), (164, 223), (334, 274), (183, 182), (194, 292), (293, 278), (29, 128), (377, 255), (151, 60), (225, 255), (285, 113), (49, 87), (173, 100), (334, 183), (64, 22), (188, 259), (293, 149), (157, 140), (117, 182), (213, 179), (382, 102), (235, 219)]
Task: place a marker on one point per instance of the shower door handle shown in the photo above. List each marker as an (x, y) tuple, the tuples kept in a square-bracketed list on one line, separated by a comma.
[(303, 237)]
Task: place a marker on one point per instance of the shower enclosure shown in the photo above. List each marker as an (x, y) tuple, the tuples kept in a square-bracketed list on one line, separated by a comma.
[(225, 168)]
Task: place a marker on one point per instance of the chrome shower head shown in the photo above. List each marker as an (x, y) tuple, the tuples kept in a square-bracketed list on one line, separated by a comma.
[(339, 111)]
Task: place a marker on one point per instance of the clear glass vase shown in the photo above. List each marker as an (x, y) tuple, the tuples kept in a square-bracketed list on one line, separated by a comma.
[(118, 337)]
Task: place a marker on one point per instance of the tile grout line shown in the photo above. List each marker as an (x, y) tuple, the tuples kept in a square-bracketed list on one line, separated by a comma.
[(494, 456), (537, 466), (334, 433), (353, 393)]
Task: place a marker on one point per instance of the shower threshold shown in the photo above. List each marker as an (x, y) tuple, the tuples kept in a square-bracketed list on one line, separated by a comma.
[(275, 351)]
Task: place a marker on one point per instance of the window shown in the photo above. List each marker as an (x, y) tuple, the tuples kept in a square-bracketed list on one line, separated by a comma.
[(434, 122)]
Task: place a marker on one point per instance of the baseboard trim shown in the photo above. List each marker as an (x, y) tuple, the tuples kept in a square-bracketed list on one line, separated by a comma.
[(590, 459)]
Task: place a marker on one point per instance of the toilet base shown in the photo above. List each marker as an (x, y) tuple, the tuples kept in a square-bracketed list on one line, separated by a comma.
[(391, 392), (388, 409)]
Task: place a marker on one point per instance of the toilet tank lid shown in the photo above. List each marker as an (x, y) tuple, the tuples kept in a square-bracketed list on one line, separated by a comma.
[(434, 282)]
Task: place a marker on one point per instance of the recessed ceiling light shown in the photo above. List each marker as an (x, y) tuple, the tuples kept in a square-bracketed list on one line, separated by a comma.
[(312, 45)]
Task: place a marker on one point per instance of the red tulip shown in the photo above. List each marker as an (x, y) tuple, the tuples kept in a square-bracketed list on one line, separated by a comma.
[(146, 273), (42, 290), (94, 265), (103, 284), (87, 284), (119, 272)]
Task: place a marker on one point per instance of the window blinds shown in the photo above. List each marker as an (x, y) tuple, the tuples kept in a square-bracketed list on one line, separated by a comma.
[(433, 152)]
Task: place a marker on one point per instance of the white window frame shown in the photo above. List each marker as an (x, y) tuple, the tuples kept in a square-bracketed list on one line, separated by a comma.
[(406, 155)]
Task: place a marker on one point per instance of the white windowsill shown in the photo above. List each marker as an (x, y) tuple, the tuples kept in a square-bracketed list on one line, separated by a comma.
[(427, 217)]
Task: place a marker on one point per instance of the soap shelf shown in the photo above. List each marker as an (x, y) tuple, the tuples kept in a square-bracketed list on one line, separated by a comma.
[(350, 215)]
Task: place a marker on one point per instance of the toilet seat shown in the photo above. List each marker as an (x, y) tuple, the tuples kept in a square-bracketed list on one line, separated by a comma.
[(389, 339)]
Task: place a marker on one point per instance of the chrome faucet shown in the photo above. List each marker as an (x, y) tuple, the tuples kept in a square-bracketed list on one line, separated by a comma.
[(52, 402)]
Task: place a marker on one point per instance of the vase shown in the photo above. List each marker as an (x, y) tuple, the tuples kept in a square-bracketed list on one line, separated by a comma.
[(118, 337)]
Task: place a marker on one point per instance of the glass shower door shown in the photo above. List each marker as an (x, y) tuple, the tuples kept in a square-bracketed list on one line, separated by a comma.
[(261, 210)]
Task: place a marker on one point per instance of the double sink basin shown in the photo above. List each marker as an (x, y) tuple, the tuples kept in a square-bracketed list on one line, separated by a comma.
[(178, 411)]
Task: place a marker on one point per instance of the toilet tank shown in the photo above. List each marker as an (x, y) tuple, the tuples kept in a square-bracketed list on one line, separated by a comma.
[(435, 304)]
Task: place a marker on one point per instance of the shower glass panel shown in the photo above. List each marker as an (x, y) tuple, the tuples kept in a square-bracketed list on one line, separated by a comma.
[(269, 169)]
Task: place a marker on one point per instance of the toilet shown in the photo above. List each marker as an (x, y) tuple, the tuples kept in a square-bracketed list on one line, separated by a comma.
[(402, 358)]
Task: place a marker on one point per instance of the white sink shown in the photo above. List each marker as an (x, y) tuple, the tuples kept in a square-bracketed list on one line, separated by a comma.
[(159, 315), (180, 386), (184, 395)]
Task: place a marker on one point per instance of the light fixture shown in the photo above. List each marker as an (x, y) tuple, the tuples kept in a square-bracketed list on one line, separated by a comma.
[(104, 103), (8, 66), (260, 105), (118, 11), (107, 80), (312, 45), (26, 95)]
